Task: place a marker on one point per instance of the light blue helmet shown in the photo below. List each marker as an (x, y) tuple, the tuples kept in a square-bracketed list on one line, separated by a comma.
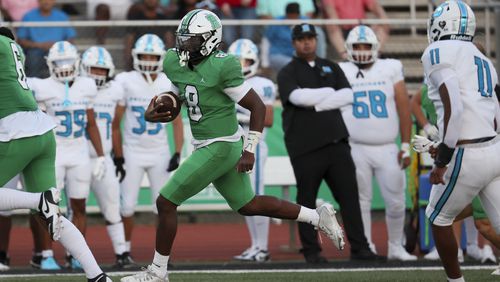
[(97, 57), (148, 44), (245, 49), (452, 20), (362, 34), (63, 61)]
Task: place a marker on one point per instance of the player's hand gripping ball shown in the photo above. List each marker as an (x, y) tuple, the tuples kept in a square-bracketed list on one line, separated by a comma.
[(167, 107)]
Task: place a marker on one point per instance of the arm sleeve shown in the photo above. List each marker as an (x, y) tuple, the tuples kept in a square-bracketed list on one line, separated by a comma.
[(340, 98), (286, 84), (232, 79), (449, 78), (123, 99), (310, 97)]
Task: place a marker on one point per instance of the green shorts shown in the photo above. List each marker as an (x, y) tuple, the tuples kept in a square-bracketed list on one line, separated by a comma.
[(33, 156), (215, 163), (477, 209)]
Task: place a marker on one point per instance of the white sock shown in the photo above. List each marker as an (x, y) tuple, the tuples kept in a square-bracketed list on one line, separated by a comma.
[(261, 231), (160, 264), (395, 226), (366, 217), (308, 215), (47, 253), (470, 231), (461, 279), (72, 239), (127, 246), (11, 199), (117, 235), (251, 229)]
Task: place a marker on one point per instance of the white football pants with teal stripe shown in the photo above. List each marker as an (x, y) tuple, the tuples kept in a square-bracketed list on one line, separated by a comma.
[(473, 170)]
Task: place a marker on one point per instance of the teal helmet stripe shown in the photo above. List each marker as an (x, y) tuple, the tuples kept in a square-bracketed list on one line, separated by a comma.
[(100, 56), (362, 33), (60, 47), (239, 44), (149, 43), (463, 17)]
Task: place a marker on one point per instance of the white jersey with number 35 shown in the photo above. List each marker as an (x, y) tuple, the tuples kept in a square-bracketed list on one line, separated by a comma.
[(373, 119), (138, 133), (477, 79)]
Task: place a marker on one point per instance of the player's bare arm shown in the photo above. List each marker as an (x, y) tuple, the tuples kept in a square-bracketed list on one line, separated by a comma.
[(403, 108), (116, 139), (93, 131), (252, 102), (269, 119), (178, 140)]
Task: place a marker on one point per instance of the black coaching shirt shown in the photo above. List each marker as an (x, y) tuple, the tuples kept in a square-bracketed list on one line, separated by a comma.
[(305, 129)]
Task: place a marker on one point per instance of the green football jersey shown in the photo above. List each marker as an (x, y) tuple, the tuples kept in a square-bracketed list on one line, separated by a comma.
[(15, 94), (428, 106), (211, 112)]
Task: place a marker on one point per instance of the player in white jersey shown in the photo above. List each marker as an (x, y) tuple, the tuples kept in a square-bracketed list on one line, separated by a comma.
[(145, 144), (461, 83), (97, 64), (258, 226), (68, 98), (380, 111)]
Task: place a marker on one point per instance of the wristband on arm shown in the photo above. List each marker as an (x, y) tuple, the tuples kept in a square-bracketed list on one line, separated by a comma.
[(253, 139), (444, 155)]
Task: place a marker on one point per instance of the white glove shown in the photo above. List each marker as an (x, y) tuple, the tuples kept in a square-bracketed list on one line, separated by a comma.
[(432, 132), (421, 144), (99, 168)]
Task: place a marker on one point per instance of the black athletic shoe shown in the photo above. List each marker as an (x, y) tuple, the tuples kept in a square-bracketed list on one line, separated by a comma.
[(367, 255), (36, 261), (125, 261), (100, 278)]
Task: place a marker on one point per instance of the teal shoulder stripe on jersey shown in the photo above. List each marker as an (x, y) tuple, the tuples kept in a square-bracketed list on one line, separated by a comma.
[(463, 17), (449, 188)]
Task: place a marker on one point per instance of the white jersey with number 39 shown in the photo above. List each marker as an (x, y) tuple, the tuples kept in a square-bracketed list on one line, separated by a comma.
[(477, 80), (372, 118), (138, 133)]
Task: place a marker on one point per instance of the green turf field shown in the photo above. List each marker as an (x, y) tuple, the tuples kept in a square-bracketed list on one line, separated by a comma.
[(352, 276)]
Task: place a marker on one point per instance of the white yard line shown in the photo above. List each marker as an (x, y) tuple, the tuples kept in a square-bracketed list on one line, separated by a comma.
[(241, 271)]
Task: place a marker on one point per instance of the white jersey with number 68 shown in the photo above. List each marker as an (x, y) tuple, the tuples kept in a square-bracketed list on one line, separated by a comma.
[(372, 118)]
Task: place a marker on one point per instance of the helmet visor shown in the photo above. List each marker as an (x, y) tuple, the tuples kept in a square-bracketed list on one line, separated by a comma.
[(189, 42)]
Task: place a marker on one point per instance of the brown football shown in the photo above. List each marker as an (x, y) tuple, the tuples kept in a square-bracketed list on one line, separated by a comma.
[(170, 103)]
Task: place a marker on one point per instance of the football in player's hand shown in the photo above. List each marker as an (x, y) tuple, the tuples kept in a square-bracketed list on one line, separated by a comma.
[(169, 102)]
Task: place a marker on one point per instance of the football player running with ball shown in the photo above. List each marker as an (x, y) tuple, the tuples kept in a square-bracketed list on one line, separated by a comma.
[(211, 83), (68, 97), (97, 64), (258, 226), (27, 145), (380, 110), (461, 83), (145, 148)]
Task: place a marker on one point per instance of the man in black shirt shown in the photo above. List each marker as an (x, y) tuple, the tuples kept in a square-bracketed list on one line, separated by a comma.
[(312, 90)]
